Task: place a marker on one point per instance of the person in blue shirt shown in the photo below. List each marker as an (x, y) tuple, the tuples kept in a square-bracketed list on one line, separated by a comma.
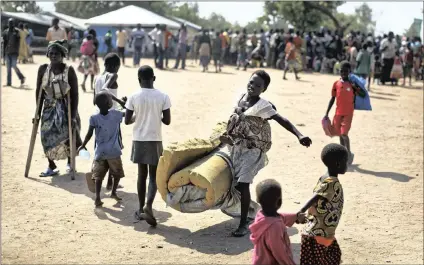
[(107, 154), (137, 40)]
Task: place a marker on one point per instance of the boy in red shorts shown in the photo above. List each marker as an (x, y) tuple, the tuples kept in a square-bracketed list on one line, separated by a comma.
[(343, 92)]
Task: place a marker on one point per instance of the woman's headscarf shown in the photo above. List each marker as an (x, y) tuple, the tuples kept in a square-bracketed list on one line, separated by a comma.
[(60, 44)]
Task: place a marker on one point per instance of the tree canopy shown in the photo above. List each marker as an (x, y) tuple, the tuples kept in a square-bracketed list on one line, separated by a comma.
[(303, 15), (20, 6)]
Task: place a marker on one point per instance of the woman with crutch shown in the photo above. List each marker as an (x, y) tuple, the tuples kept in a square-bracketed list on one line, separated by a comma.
[(59, 87)]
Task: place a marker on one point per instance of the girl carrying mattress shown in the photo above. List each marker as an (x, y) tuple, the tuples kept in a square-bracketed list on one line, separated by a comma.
[(248, 138)]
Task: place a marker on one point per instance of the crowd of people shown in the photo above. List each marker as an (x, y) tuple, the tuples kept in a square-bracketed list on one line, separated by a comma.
[(248, 135)]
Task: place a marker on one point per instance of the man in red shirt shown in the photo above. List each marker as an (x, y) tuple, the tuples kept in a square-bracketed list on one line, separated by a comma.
[(343, 92)]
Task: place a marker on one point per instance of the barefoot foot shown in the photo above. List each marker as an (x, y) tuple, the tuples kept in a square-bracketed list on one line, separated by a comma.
[(116, 197), (148, 216), (241, 231), (98, 203)]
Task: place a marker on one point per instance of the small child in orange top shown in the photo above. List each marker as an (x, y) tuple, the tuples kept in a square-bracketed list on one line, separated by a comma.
[(343, 92)]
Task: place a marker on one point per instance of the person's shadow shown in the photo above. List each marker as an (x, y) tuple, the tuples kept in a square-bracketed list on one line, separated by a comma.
[(215, 239), (395, 176), (123, 212)]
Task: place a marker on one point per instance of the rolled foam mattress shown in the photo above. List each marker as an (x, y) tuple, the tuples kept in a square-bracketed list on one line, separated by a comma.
[(190, 177)]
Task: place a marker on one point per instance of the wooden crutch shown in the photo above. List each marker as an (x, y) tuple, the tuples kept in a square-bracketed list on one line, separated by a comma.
[(72, 139), (33, 133)]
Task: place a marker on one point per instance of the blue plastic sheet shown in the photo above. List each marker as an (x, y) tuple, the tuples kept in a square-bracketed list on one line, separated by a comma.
[(361, 103)]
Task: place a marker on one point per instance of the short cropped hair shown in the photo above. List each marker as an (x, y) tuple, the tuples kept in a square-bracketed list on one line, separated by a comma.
[(333, 154), (102, 100), (112, 60), (267, 193), (145, 72), (345, 65), (264, 75)]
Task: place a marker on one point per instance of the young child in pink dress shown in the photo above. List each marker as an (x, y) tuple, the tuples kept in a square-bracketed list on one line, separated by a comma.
[(269, 231)]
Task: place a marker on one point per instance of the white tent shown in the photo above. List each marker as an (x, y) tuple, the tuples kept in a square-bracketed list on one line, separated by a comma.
[(131, 16), (188, 23), (41, 19), (78, 23)]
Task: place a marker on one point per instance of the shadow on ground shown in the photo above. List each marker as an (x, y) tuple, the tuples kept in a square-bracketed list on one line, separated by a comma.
[(122, 213), (395, 176), (215, 239), (382, 98)]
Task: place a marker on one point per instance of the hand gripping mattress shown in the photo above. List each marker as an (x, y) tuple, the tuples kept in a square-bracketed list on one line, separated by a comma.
[(192, 178)]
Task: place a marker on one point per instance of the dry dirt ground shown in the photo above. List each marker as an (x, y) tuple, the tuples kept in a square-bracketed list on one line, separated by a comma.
[(53, 220)]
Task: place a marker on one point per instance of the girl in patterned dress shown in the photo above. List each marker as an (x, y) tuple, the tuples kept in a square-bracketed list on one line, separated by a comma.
[(248, 138), (319, 245), (55, 81)]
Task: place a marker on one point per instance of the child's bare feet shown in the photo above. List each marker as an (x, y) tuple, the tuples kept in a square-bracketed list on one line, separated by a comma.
[(115, 197), (98, 203), (148, 216), (241, 231)]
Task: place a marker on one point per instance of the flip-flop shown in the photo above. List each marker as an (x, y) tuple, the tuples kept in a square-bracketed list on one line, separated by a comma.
[(91, 185), (49, 173)]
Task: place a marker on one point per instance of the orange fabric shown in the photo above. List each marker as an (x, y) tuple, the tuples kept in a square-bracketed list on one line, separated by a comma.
[(345, 95), (324, 241), (223, 41), (167, 36), (297, 42), (289, 50), (342, 124)]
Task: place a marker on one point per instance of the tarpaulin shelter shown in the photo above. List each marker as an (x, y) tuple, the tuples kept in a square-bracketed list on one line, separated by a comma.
[(128, 17)]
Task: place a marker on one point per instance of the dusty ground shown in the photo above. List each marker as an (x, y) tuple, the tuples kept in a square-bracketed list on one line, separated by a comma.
[(53, 220)]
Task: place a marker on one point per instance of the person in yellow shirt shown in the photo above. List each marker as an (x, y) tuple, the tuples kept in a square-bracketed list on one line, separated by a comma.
[(121, 41), (55, 32)]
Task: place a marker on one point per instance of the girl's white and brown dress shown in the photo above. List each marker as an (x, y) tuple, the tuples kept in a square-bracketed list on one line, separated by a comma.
[(250, 133), (54, 117)]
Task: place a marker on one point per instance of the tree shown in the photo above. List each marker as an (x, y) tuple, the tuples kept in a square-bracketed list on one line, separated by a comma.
[(300, 15), (187, 11), (20, 6), (255, 25), (215, 21), (363, 15)]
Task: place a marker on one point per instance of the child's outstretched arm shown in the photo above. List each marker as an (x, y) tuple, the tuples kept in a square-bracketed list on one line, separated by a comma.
[(304, 140), (87, 138)]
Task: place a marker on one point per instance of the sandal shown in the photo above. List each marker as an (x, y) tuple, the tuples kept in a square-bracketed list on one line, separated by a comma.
[(49, 173)]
